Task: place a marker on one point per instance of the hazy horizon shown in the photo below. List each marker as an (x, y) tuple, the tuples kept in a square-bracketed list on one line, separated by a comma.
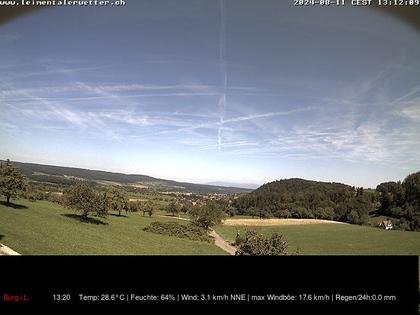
[(214, 91), (247, 185)]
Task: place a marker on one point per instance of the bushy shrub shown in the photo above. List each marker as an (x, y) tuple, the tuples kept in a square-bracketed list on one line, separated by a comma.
[(255, 244), (176, 229), (31, 197), (54, 197), (401, 224)]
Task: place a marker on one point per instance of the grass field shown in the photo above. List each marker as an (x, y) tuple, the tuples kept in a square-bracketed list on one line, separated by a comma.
[(42, 227), (46, 228), (337, 239)]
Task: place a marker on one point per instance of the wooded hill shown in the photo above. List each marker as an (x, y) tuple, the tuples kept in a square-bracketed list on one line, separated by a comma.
[(299, 198), (68, 175)]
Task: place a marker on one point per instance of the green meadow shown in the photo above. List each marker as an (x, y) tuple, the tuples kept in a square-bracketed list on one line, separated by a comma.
[(337, 239), (43, 227)]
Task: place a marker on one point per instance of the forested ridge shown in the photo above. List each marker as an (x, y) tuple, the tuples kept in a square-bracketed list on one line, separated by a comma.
[(299, 198)]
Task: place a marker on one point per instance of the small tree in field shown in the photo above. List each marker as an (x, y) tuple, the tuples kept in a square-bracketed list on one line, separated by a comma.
[(255, 244), (84, 199), (148, 208), (11, 181), (134, 206), (116, 200), (207, 215), (185, 207), (173, 208)]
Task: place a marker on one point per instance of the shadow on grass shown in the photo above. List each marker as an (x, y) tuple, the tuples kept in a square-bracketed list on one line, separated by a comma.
[(1, 236), (88, 220), (13, 205), (118, 216)]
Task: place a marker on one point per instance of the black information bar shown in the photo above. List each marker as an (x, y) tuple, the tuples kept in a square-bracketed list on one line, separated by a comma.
[(385, 284)]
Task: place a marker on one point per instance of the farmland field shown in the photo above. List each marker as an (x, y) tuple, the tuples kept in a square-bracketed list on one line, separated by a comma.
[(336, 239), (43, 227)]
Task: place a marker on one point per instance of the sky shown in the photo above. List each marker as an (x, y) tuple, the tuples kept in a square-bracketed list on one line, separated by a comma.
[(200, 91)]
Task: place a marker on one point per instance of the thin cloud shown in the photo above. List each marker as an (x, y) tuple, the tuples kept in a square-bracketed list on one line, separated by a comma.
[(8, 127), (13, 75), (412, 112), (110, 91), (268, 115)]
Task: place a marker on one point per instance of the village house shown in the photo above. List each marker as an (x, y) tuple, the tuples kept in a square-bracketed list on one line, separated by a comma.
[(386, 224)]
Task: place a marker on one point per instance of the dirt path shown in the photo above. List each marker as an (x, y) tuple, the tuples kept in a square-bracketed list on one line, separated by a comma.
[(220, 242), (4, 250)]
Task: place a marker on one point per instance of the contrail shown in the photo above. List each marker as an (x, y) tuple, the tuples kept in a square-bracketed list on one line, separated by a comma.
[(223, 70), (222, 106)]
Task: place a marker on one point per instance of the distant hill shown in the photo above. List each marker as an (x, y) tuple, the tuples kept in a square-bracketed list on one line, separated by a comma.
[(67, 175), (232, 184)]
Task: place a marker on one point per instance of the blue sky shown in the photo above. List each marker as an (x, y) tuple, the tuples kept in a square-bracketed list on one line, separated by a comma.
[(234, 90)]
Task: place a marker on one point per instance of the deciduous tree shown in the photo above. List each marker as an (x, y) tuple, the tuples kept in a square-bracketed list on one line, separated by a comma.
[(148, 208), (84, 199), (173, 208), (116, 199), (12, 182), (207, 215)]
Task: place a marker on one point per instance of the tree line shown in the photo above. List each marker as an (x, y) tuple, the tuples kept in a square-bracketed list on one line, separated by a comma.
[(87, 200)]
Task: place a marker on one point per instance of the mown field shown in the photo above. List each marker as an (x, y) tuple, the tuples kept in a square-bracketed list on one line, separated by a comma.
[(43, 227), (337, 239)]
